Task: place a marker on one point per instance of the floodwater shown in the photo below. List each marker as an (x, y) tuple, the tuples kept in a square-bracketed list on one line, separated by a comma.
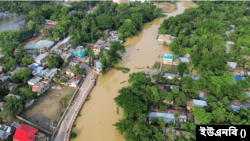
[(7, 23), (99, 113)]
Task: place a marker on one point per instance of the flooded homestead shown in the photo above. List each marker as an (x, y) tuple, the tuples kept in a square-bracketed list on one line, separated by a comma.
[(100, 113)]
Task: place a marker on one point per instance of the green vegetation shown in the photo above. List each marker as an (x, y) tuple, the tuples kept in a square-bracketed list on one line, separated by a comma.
[(77, 70), (124, 70), (13, 106), (65, 100), (54, 61), (22, 76), (156, 65), (72, 135)]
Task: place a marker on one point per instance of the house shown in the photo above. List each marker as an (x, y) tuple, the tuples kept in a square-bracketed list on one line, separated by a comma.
[(41, 87), (232, 27), (170, 75), (232, 65), (179, 110), (34, 80), (16, 70), (80, 52), (38, 71), (105, 32), (25, 133), (228, 46), (168, 59), (50, 73), (13, 95), (5, 132), (168, 117), (41, 59), (67, 71), (4, 78), (237, 105), (248, 94), (195, 102), (34, 66), (41, 46), (184, 60), (191, 116), (49, 22), (96, 50), (168, 87), (164, 37), (98, 66), (202, 95), (195, 77), (66, 56), (9, 85), (174, 132), (74, 82), (2, 104)]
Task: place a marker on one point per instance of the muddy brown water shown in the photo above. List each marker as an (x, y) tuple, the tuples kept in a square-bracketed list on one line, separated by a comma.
[(7, 23), (99, 114)]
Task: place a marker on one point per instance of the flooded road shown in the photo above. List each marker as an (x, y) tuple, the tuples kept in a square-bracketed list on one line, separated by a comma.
[(99, 113), (11, 23)]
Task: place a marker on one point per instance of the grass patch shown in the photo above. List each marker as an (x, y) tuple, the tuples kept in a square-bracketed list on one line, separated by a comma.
[(124, 70), (65, 100), (156, 65)]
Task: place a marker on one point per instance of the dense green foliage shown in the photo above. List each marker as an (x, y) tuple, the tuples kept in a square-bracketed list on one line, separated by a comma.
[(77, 70), (13, 106), (135, 101), (22, 76), (54, 61), (124, 70)]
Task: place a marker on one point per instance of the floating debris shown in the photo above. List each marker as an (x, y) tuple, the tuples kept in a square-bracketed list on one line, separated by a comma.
[(122, 82)]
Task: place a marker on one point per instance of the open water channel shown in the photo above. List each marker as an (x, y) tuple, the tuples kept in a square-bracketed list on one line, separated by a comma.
[(99, 113)]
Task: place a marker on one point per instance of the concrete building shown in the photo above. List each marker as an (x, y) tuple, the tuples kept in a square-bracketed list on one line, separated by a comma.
[(80, 52), (10, 86), (34, 80), (4, 78), (41, 87), (168, 59), (74, 82), (38, 71), (98, 66)]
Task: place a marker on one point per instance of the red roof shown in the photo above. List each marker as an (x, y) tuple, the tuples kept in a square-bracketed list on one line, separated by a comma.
[(160, 86), (25, 133)]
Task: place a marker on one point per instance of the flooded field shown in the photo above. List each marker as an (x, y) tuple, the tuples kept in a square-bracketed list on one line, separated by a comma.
[(166, 7), (48, 107), (99, 113), (7, 23)]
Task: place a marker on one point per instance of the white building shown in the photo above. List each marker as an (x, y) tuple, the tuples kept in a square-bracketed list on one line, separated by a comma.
[(34, 80), (41, 59)]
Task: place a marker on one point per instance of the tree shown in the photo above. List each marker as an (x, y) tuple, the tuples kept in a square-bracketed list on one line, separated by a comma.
[(13, 106), (137, 18), (27, 61), (183, 68), (128, 29), (201, 115), (124, 125), (22, 76), (54, 61)]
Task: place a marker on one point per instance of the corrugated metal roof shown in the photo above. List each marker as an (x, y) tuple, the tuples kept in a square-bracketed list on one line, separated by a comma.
[(98, 65), (168, 116), (184, 59), (2, 132), (199, 102)]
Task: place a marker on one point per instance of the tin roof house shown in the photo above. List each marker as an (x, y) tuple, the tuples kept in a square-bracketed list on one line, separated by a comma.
[(74, 82), (194, 102), (232, 65), (237, 105), (41, 59), (34, 80), (168, 117), (25, 133)]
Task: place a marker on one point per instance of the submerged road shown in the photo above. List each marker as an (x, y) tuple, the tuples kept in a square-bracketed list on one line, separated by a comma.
[(83, 90)]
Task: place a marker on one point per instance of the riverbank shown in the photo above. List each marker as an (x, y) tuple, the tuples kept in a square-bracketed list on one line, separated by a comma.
[(10, 23), (99, 114)]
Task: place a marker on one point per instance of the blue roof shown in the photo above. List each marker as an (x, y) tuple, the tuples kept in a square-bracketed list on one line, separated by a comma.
[(30, 46), (33, 66), (184, 59), (233, 28), (47, 20), (237, 77), (2, 132), (168, 57), (98, 65)]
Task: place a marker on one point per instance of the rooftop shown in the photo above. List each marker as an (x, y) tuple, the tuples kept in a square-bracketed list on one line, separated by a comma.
[(25, 133), (13, 95), (35, 80), (168, 56), (40, 84), (184, 59), (41, 44), (167, 116)]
